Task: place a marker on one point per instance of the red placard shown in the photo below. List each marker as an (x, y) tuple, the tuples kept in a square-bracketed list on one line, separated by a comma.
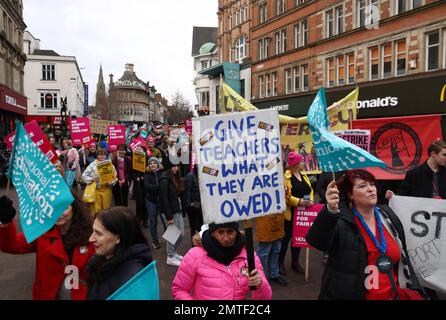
[(400, 142), (38, 137), (80, 131), (138, 142), (116, 135), (303, 220), (188, 124)]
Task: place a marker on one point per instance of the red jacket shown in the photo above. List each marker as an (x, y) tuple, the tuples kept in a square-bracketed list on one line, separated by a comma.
[(51, 260)]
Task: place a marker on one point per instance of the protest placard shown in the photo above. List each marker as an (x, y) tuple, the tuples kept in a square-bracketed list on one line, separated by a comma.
[(80, 131), (424, 227), (303, 220), (360, 138), (138, 142), (100, 126), (139, 161), (106, 172), (116, 135), (42, 192), (239, 164), (38, 137)]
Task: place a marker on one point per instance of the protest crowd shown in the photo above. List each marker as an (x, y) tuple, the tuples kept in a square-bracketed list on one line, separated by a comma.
[(154, 166)]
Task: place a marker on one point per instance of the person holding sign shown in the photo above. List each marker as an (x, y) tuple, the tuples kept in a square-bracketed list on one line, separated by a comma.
[(62, 253), (103, 194), (297, 186), (171, 189), (121, 252), (218, 268), (123, 168), (367, 256)]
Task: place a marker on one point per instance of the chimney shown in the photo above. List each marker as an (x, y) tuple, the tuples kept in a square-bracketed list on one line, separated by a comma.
[(129, 67)]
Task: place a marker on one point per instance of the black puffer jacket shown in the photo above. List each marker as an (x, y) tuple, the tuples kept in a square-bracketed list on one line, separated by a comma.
[(192, 189), (112, 279), (151, 184), (169, 201), (339, 235)]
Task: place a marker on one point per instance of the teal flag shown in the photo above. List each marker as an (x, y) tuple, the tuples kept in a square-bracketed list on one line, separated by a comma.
[(127, 135), (333, 153), (143, 286), (43, 193)]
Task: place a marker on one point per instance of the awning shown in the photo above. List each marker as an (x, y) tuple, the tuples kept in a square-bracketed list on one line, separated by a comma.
[(12, 101), (213, 71)]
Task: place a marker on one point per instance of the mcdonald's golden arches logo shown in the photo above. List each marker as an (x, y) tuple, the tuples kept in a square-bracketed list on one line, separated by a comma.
[(443, 93)]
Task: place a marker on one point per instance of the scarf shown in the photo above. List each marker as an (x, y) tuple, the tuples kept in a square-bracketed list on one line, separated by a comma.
[(223, 255)]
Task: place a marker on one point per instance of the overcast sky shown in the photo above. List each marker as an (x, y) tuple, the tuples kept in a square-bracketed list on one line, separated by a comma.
[(155, 35)]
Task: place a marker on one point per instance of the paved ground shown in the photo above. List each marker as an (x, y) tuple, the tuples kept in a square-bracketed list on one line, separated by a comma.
[(17, 271)]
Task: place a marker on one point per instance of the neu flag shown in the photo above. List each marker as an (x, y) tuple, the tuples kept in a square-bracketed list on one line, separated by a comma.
[(334, 153), (143, 286), (42, 192)]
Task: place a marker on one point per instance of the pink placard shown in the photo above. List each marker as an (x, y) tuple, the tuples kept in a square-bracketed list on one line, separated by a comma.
[(80, 131), (188, 124), (303, 220), (116, 135), (38, 137), (138, 142)]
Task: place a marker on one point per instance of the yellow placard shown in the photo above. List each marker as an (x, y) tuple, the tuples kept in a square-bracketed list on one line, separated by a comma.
[(139, 161), (106, 172)]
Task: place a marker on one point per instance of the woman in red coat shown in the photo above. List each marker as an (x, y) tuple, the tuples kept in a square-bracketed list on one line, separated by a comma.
[(61, 254)]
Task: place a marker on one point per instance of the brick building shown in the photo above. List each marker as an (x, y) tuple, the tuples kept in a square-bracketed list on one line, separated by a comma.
[(389, 48), (13, 103)]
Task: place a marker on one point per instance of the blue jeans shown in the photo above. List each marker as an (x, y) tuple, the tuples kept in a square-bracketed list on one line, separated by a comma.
[(268, 253), (152, 213)]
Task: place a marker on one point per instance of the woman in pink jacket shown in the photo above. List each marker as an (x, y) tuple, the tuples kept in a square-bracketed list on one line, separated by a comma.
[(218, 270)]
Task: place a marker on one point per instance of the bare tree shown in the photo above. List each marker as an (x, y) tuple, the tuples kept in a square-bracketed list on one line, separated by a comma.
[(180, 109)]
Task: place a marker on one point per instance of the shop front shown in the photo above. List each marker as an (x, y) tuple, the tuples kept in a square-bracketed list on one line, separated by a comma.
[(13, 107)]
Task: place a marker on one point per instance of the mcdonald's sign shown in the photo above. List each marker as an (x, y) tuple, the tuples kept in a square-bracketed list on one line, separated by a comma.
[(443, 93)]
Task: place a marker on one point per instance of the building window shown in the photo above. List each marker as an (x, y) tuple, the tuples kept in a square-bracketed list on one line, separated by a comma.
[(386, 61), (300, 34), (400, 50), (433, 50), (334, 21), (305, 78), (268, 85), (280, 7), (263, 9), (367, 12), (288, 81), (240, 49), (406, 5), (296, 77), (351, 67), (48, 100), (230, 22), (299, 2), (275, 83), (281, 41), (374, 63), (237, 18), (331, 72), (204, 65), (48, 72), (263, 48), (230, 53), (261, 86), (340, 71)]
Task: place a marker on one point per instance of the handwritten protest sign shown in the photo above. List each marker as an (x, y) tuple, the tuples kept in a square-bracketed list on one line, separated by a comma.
[(80, 131), (116, 135), (139, 161), (106, 172), (42, 192), (360, 138), (303, 220), (38, 137), (100, 126), (239, 165), (424, 226)]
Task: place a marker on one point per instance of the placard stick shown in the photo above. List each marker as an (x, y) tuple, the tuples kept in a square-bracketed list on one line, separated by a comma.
[(307, 264), (247, 224), (7, 187)]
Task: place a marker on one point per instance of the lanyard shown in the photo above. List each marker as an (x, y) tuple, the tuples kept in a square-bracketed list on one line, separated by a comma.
[(382, 247)]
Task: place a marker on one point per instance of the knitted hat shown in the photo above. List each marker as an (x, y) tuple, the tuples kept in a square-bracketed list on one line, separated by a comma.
[(154, 159), (294, 158), (230, 225)]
